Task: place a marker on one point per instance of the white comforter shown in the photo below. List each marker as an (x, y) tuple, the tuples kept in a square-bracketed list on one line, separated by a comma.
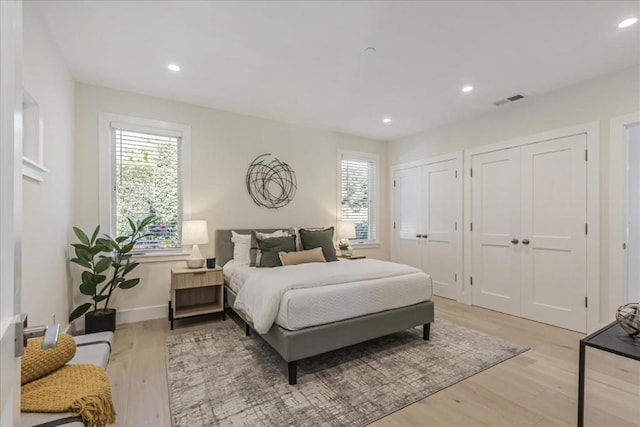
[(260, 296)]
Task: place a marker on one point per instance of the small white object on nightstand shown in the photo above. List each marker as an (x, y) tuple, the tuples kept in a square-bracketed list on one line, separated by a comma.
[(346, 230), (195, 233)]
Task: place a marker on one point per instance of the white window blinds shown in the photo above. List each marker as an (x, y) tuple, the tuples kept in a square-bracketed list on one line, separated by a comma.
[(357, 188), (147, 182)]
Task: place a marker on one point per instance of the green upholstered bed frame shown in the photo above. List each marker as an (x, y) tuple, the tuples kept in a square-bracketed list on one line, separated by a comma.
[(308, 342)]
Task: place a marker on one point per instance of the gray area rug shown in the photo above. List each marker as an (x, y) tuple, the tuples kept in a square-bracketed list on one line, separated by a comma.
[(220, 377)]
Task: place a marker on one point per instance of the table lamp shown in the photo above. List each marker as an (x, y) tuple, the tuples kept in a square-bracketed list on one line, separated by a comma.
[(195, 233), (346, 230)]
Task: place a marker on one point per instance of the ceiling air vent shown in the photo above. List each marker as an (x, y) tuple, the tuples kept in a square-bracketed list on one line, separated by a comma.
[(508, 100)]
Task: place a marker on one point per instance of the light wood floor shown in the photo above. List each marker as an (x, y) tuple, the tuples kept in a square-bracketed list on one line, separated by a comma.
[(537, 388)]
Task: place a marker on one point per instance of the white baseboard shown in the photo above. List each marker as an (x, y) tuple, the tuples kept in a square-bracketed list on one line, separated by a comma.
[(130, 315), (142, 313)]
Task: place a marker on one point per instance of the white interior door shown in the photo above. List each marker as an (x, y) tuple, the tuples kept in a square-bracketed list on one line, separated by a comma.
[(10, 195), (439, 253), (633, 214), (553, 235), (407, 212), (495, 216), (624, 214)]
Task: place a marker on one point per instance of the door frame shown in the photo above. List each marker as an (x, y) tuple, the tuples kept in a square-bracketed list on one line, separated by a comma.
[(618, 199), (458, 156), (11, 206), (592, 131)]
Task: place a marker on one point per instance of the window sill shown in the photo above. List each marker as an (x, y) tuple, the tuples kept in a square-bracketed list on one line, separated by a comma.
[(365, 245), (33, 170), (161, 256)]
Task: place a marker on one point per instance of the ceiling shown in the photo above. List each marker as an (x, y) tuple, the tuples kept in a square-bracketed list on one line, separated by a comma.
[(304, 62)]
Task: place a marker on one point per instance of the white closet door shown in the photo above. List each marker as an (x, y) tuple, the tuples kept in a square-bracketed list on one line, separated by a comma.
[(554, 203), (408, 189), (438, 226), (495, 213)]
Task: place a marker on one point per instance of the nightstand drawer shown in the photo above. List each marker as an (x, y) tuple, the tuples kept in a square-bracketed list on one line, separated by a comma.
[(197, 279)]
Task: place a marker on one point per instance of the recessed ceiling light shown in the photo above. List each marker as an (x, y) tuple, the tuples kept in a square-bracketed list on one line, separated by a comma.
[(387, 120), (627, 22), (467, 88), (370, 51), (173, 67)]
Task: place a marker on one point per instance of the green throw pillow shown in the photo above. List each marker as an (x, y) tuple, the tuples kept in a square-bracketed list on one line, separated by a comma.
[(312, 239), (270, 248)]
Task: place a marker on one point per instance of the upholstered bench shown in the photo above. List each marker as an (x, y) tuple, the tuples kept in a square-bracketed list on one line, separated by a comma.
[(92, 349)]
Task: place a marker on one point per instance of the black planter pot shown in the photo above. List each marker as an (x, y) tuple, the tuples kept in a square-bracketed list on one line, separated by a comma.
[(100, 321)]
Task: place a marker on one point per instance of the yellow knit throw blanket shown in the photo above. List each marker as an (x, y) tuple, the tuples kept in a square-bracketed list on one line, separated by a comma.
[(83, 390)]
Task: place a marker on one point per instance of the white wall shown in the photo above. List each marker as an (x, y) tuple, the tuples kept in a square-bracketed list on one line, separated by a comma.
[(47, 205), (222, 146), (599, 99)]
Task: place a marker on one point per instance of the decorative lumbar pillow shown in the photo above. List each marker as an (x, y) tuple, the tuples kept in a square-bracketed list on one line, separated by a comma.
[(254, 252), (36, 362), (312, 239), (241, 247), (301, 257), (272, 247)]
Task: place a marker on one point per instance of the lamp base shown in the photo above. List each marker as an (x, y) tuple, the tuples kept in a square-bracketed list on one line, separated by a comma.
[(195, 262)]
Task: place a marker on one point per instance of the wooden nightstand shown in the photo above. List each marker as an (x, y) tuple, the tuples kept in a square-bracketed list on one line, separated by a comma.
[(352, 256), (196, 291)]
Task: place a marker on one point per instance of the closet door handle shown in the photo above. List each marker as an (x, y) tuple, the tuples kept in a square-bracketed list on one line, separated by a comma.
[(424, 236), (515, 241), (525, 241), (418, 236)]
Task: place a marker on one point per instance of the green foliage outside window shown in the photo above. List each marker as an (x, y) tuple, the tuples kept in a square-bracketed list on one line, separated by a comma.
[(355, 187), (147, 184)]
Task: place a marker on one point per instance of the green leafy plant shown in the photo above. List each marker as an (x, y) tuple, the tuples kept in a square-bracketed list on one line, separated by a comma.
[(343, 246), (107, 261)]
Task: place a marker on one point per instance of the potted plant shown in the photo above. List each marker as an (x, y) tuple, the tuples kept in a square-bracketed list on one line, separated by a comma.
[(345, 247), (106, 262)]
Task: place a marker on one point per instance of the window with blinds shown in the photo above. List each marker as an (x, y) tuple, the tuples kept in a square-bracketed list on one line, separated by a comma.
[(357, 189), (147, 182)]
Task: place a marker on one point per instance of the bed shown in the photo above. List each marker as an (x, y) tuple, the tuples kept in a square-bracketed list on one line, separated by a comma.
[(308, 321)]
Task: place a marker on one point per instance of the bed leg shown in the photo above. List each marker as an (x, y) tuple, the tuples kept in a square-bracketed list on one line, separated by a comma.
[(426, 329), (247, 329), (293, 372)]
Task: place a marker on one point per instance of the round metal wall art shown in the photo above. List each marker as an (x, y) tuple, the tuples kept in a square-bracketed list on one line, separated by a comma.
[(270, 182)]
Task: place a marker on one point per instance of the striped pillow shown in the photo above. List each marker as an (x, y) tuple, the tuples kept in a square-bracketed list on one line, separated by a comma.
[(254, 250)]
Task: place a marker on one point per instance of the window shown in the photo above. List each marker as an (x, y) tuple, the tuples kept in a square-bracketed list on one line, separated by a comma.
[(143, 165), (358, 194), (32, 139), (146, 172)]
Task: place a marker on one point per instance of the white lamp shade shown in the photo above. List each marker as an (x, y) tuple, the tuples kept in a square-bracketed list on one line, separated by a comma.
[(195, 232), (346, 230)]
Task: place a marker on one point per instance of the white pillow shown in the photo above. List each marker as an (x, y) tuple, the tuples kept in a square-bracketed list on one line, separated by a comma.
[(277, 233), (241, 247), (299, 247)]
